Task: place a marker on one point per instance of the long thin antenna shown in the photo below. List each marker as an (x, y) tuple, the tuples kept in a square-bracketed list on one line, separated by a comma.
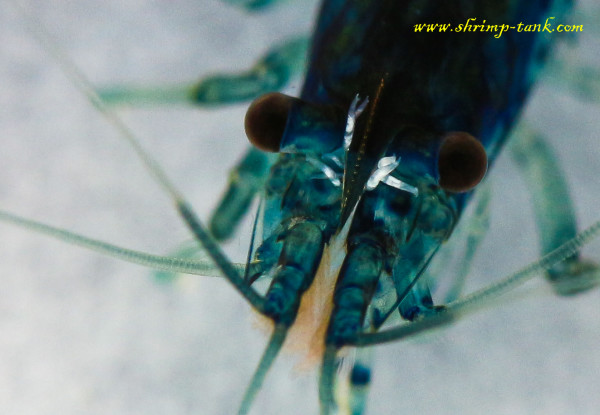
[(275, 343), (170, 264), (327, 380), (483, 297), (39, 32), (83, 85)]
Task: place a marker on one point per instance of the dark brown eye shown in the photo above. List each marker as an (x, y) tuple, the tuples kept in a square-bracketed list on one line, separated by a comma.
[(462, 162), (266, 119)]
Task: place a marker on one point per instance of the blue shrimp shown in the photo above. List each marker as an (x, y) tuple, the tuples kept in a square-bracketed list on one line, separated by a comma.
[(307, 161), (437, 110)]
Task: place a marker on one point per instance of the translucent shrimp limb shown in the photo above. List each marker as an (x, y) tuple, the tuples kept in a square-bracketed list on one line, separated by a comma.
[(477, 229), (245, 180), (270, 73), (566, 71), (252, 5), (554, 211), (464, 244), (588, 17), (484, 297), (351, 392), (581, 81)]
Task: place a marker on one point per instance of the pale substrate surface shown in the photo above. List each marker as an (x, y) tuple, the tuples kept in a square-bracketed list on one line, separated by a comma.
[(82, 333)]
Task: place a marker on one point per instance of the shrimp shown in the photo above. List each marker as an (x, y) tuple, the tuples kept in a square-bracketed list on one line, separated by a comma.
[(82, 333)]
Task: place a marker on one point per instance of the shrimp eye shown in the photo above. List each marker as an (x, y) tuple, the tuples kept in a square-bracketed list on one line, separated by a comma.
[(462, 162), (266, 119)]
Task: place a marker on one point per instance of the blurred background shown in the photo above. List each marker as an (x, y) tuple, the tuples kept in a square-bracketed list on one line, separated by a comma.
[(83, 333)]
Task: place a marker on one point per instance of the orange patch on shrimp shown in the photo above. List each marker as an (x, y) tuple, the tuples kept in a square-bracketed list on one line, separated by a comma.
[(306, 337)]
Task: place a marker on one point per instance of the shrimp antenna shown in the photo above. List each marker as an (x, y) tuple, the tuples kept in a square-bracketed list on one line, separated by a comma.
[(483, 297), (157, 262), (266, 361), (327, 379), (81, 82)]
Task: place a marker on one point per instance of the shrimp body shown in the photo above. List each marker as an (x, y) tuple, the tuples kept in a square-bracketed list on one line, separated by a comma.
[(393, 130), (425, 91)]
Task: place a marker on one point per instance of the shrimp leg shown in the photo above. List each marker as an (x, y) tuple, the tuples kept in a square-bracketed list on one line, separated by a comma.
[(351, 392), (271, 72), (466, 240), (582, 81), (554, 211), (252, 5), (245, 179)]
